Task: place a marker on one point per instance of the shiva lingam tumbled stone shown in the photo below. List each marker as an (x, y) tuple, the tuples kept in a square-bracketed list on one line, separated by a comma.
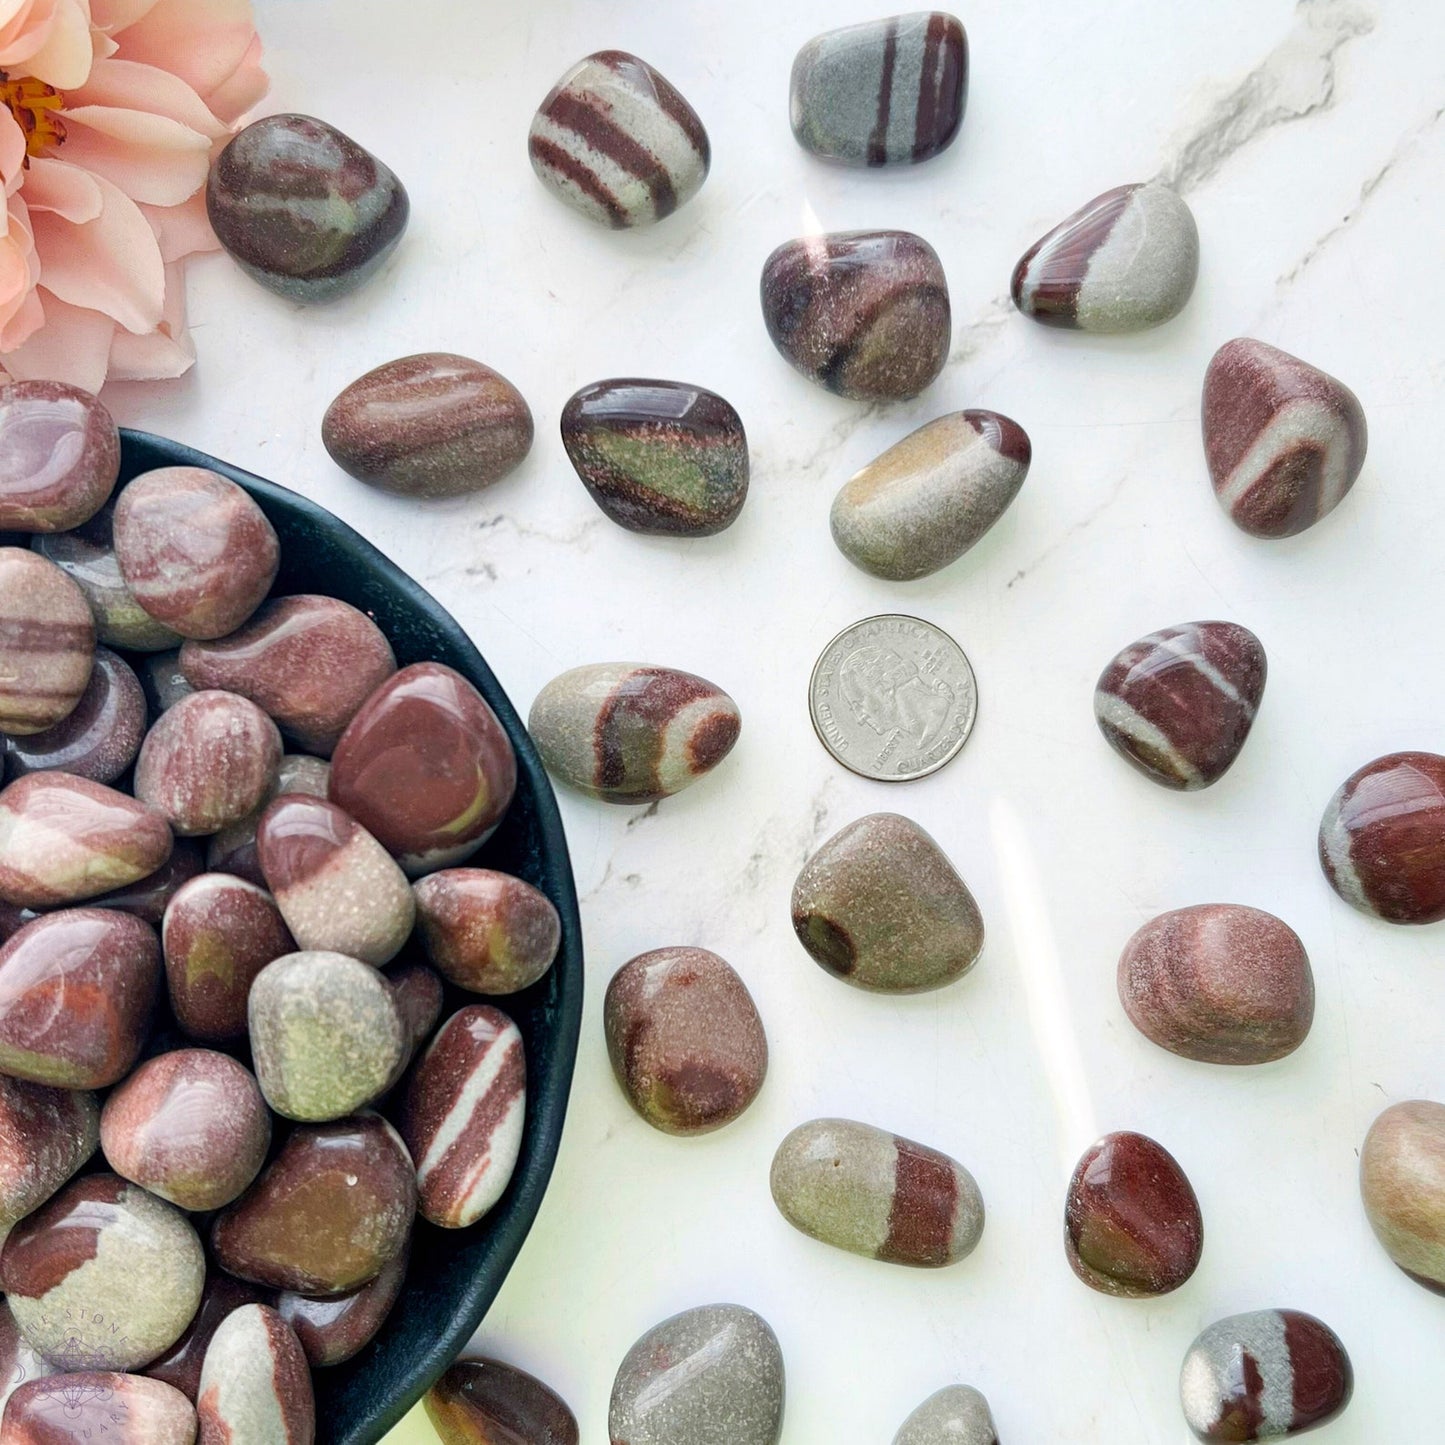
[(1132, 1225), (418, 994), (1220, 983), (463, 1113), (104, 1275), (425, 768), (332, 1330), (1179, 703), (880, 906), (1126, 261), (1402, 1183), (486, 931), (91, 1405), (884, 93), (255, 1386), (864, 314), (685, 1040), (625, 732), (181, 1364), (303, 209), (955, 1415), (617, 141), (432, 425), (328, 1214), (59, 456), (46, 1135), (1284, 441), (76, 992), (190, 1126), (19, 1361), (704, 1377), (930, 497), (486, 1402), (232, 849), (47, 642), (149, 897)]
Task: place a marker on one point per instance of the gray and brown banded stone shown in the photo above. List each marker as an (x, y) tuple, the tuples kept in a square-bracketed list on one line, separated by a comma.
[(1402, 1183), (486, 1402), (99, 1405), (46, 1135), (486, 932), (255, 1386), (47, 642), (955, 1415), (59, 456)]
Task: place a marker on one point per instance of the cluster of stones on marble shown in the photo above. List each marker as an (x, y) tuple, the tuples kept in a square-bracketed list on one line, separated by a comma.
[(1402, 1183), (486, 1402), (59, 456), (255, 1384), (954, 1415), (485, 931), (47, 642), (98, 1405)]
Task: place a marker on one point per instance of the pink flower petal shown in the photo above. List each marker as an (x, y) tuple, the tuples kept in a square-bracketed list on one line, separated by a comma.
[(244, 90), (73, 346), (57, 186), (164, 353), (12, 151), (114, 15), (202, 41), (29, 317), (24, 28), (127, 85), (182, 230), (65, 59), (150, 157)]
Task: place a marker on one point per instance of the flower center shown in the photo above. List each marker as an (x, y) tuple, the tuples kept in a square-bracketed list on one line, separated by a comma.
[(34, 105)]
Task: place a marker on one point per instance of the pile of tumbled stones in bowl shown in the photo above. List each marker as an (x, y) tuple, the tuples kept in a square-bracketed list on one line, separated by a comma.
[(243, 804)]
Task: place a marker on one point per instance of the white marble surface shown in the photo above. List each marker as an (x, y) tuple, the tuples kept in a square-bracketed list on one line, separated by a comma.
[(1308, 139)]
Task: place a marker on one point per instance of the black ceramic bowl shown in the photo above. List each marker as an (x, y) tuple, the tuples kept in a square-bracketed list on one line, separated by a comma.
[(454, 1274)]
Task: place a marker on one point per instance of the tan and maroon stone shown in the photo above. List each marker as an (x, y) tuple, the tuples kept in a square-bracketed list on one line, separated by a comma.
[(59, 456), (462, 1117), (19, 1361), (1179, 703), (307, 661), (332, 1330), (47, 642), (104, 1276), (232, 849), (1402, 1183), (1284, 441), (872, 1193), (327, 1215), (149, 897), (337, 888), (196, 552), (190, 1126), (46, 1135), (255, 1387), (76, 992), (98, 1405), (486, 1402), (208, 761), (425, 767), (219, 932), (626, 732), (487, 932), (418, 994), (181, 1364), (685, 1040)]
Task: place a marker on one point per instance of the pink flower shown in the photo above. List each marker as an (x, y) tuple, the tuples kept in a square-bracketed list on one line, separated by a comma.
[(110, 112)]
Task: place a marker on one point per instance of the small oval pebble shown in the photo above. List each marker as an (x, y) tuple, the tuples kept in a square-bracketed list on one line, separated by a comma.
[(148, 897), (485, 931), (865, 314), (59, 456), (625, 732), (196, 552), (432, 425), (685, 1040), (881, 907), (485, 1402), (303, 209), (425, 767), (71, 1273), (659, 457), (255, 1387), (709, 1376), (232, 849), (326, 1036), (46, 1135), (47, 642), (18, 1359), (930, 497), (331, 1331), (956, 1415), (208, 761), (181, 1364), (1220, 983), (98, 1405), (1402, 1182)]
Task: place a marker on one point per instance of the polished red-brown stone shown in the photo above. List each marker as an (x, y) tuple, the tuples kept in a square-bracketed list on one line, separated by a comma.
[(59, 456), (484, 1402), (486, 931), (47, 642), (181, 1364), (92, 1407), (149, 897), (46, 1134), (333, 1330), (233, 848), (255, 1387)]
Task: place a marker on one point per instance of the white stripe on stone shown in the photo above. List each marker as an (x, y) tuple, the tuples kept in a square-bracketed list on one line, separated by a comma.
[(906, 90), (1195, 657), (674, 770), (1336, 839), (629, 192), (1119, 715), (479, 1082), (1304, 421)]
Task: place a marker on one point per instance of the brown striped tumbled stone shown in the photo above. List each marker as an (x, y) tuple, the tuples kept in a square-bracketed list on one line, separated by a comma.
[(46, 1135), (955, 1415), (485, 931), (98, 1405), (872, 1193), (625, 732), (181, 1364), (880, 906), (463, 1113), (255, 1387), (486, 1402), (332, 1330), (59, 456), (47, 641), (1402, 1183)]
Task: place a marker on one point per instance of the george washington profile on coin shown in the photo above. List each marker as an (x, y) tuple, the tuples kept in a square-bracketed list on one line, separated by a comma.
[(887, 693)]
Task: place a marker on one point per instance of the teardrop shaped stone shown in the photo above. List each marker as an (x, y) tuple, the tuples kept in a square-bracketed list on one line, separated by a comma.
[(956, 1415)]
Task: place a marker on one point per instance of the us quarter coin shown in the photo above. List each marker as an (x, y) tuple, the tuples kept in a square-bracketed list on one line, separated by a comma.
[(893, 698)]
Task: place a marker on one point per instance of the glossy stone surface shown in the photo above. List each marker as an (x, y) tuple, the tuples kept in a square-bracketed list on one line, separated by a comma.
[(425, 768), (486, 931), (1402, 1183), (326, 1035), (100, 737), (1382, 838), (45, 1136), (218, 933), (332, 1330), (431, 425), (47, 640), (190, 1126), (208, 761), (418, 994), (485, 1402), (1284, 441), (232, 849), (617, 142), (327, 1215), (59, 456), (881, 907), (930, 497), (92, 1405), (337, 888), (865, 314), (685, 1040), (18, 1360), (625, 732), (462, 1117), (1220, 983), (1179, 703), (303, 209), (955, 1415), (149, 897), (708, 1376), (181, 1364), (884, 93), (659, 457), (71, 1269), (1263, 1375), (76, 992), (1126, 261), (255, 1387)]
